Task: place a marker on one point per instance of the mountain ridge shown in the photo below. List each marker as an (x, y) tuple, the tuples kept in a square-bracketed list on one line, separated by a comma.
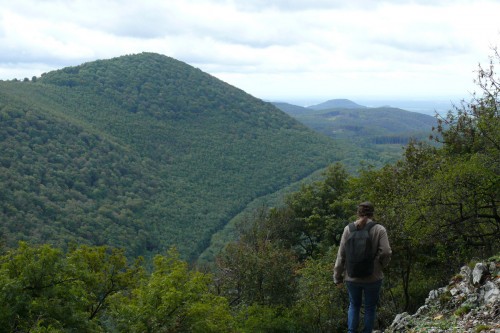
[(337, 103), (382, 131), (203, 147)]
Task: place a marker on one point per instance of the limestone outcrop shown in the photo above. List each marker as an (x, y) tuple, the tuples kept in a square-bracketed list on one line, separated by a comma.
[(470, 303)]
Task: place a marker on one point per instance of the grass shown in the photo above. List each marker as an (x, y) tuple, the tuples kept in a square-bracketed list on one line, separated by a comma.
[(481, 328), (464, 309)]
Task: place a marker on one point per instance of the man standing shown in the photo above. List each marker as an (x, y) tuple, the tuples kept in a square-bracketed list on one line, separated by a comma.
[(364, 250)]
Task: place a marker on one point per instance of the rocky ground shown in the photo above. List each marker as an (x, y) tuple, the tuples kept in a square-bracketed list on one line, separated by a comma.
[(470, 303)]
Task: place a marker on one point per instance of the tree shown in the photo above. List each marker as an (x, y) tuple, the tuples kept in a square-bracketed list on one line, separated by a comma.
[(320, 306), (257, 269), (470, 177), (38, 290), (319, 213), (440, 204), (172, 299), (102, 271), (400, 193), (44, 288)]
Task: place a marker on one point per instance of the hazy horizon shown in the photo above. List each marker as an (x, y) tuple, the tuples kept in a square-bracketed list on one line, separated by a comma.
[(426, 106)]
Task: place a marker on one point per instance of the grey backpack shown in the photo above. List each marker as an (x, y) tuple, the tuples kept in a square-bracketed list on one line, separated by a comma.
[(358, 249)]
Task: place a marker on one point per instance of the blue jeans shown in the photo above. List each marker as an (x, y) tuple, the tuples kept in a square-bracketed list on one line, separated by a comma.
[(356, 290)]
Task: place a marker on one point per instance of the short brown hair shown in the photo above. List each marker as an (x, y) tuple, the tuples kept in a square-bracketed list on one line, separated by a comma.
[(366, 209)]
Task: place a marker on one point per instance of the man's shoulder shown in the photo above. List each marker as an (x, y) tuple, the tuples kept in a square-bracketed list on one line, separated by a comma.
[(379, 227)]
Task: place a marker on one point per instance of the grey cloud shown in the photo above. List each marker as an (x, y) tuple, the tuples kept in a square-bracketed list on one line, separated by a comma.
[(424, 46), (145, 22), (288, 5), (219, 61), (257, 41), (156, 22), (300, 5), (20, 55)]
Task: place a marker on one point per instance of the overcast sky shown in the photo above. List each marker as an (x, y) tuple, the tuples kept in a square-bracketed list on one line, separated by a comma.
[(273, 49)]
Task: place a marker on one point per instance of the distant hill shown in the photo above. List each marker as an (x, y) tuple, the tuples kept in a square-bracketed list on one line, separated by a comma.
[(293, 110), (381, 132), (372, 122), (336, 103), (362, 123), (143, 152)]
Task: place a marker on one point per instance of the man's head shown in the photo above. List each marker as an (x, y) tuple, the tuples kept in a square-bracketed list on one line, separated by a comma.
[(366, 209)]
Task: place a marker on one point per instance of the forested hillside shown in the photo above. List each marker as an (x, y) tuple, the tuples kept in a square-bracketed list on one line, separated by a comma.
[(381, 132), (142, 152), (439, 204), (336, 104)]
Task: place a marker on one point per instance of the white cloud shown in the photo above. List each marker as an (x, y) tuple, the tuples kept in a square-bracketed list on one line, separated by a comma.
[(325, 48)]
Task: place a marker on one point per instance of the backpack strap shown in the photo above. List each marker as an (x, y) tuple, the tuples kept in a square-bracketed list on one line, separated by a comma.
[(368, 226)]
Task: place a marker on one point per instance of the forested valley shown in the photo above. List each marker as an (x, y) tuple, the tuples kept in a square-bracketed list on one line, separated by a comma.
[(141, 152), (77, 254)]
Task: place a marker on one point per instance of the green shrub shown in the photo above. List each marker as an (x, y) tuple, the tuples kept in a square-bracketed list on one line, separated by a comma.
[(464, 309), (481, 328)]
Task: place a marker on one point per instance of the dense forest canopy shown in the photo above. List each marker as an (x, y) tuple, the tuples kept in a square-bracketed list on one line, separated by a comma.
[(381, 131), (142, 152), (146, 152), (439, 203)]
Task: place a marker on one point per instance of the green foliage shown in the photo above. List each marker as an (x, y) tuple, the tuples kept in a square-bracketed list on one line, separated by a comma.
[(102, 272), (44, 289), (265, 319), (464, 309), (438, 203), (33, 291), (173, 299), (441, 205), (93, 289), (244, 271), (320, 305), (378, 134), (495, 257), (74, 168), (319, 212), (142, 152), (481, 328), (283, 260)]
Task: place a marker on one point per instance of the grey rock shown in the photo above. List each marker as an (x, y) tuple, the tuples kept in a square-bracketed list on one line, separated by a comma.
[(421, 311), (477, 290), (401, 321), (489, 292), (479, 271), (434, 294), (466, 272)]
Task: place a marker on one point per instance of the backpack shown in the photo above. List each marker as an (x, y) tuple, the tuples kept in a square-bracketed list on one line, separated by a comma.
[(358, 249)]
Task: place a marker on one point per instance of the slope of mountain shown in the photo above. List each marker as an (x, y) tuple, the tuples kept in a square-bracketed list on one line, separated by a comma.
[(143, 152), (363, 123), (370, 122), (291, 109), (336, 103), (377, 133)]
